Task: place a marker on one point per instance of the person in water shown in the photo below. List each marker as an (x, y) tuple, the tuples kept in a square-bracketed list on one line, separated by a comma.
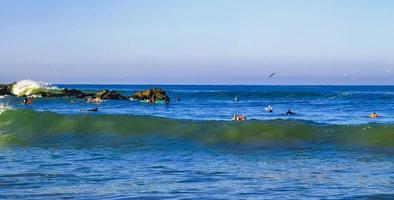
[(93, 100), (152, 100), (94, 109), (374, 115), (178, 99), (91, 110), (269, 109), (236, 98), (289, 112), (27, 101), (239, 117)]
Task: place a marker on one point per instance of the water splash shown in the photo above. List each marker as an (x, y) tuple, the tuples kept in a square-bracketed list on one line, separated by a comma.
[(30, 87), (3, 108)]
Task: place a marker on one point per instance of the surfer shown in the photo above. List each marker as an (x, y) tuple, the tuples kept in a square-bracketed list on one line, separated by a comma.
[(239, 117), (27, 101), (91, 110), (374, 115), (94, 109), (289, 112), (269, 109)]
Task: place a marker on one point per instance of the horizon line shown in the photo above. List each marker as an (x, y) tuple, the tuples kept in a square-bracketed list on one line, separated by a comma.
[(218, 84)]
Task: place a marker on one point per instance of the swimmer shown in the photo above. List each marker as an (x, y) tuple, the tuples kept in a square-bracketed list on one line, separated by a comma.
[(236, 98), (91, 110), (374, 115), (93, 100), (289, 112), (27, 101), (239, 117), (269, 109), (178, 99)]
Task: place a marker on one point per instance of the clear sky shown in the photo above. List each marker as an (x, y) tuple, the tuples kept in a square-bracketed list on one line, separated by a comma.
[(198, 42)]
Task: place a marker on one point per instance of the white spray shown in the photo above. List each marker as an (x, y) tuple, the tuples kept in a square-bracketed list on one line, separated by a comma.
[(3, 108), (27, 87)]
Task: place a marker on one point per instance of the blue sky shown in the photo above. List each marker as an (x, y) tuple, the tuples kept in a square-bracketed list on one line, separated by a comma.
[(198, 42)]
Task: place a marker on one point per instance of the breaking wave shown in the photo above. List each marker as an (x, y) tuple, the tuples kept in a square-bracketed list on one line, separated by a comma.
[(27, 127), (29, 87)]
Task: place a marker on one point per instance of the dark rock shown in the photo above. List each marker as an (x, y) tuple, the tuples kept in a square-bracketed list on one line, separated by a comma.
[(5, 89), (151, 95), (74, 93), (110, 95), (69, 93), (48, 94)]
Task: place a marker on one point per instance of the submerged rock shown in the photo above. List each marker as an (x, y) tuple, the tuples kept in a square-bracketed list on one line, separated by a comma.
[(151, 95), (110, 95)]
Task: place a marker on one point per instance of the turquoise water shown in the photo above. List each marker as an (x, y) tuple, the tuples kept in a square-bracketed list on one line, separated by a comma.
[(191, 150)]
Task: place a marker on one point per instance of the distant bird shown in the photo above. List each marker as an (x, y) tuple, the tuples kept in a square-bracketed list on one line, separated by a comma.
[(270, 76)]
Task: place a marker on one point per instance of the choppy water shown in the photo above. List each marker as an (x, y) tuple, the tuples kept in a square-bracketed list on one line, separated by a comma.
[(190, 149)]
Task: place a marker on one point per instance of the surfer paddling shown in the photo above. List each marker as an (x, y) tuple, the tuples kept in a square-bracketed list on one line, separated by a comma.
[(239, 117), (90, 110), (269, 109), (374, 115), (289, 112)]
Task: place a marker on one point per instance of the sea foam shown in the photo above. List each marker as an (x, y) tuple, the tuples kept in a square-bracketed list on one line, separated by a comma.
[(4, 107)]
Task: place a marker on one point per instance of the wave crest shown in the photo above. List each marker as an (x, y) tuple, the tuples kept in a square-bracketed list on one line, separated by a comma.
[(30, 87)]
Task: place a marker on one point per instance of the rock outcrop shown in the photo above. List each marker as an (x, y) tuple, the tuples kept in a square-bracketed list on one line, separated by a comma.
[(151, 95), (110, 95), (73, 93), (68, 93), (46, 94), (5, 89)]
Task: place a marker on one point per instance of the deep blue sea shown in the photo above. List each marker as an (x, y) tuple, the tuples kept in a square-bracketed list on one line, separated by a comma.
[(190, 149)]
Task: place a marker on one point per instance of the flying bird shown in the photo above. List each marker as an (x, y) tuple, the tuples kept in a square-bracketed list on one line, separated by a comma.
[(270, 76)]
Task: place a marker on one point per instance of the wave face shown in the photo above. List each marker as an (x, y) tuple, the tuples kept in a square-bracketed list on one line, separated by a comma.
[(29, 87), (27, 127)]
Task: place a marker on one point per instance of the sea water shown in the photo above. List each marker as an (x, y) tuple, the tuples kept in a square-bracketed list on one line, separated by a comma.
[(190, 149)]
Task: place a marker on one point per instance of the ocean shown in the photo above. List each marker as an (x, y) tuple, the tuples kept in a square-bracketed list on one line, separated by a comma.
[(190, 149)]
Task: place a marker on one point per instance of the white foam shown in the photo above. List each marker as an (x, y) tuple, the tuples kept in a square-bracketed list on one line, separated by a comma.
[(4, 108), (26, 87)]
